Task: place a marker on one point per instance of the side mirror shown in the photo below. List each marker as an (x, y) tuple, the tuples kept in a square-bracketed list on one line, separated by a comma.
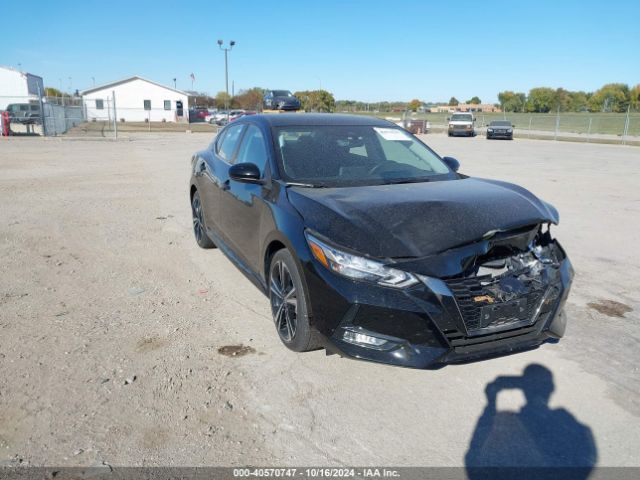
[(448, 119), (245, 172), (452, 163)]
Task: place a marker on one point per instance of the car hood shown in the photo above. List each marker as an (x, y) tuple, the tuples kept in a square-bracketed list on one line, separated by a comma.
[(417, 219)]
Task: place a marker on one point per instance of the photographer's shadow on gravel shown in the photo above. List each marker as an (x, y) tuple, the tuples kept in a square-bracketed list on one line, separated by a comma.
[(535, 442)]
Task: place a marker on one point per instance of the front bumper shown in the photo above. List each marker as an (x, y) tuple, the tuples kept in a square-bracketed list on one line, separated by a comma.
[(505, 135), (461, 132), (424, 326)]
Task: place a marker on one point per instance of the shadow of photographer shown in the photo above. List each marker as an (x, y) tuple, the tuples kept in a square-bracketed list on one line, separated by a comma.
[(536, 441)]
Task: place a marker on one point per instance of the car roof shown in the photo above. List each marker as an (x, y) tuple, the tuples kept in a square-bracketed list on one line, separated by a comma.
[(302, 119)]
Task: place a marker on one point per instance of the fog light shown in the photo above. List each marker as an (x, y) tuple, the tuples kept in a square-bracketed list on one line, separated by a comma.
[(362, 339)]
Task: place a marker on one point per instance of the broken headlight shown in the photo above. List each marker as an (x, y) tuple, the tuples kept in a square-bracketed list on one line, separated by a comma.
[(358, 268)]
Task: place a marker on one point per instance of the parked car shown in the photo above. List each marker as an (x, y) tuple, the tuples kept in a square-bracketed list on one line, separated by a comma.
[(243, 114), (24, 113), (280, 100), (227, 117), (461, 123), (198, 114), (371, 245), (500, 129), (218, 116)]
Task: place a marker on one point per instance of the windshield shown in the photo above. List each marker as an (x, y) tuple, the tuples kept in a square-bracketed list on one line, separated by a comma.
[(282, 93), (500, 123), (336, 156), (461, 118)]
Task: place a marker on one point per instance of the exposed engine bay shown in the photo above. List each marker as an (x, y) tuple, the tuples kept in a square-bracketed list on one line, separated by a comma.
[(512, 285)]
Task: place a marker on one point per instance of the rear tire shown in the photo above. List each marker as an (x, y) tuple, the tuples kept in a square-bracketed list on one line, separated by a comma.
[(199, 227), (289, 304)]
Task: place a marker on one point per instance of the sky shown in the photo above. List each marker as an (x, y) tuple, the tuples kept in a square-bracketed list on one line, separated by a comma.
[(359, 50)]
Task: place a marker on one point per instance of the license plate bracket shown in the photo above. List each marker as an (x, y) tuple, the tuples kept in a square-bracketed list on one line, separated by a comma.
[(502, 314)]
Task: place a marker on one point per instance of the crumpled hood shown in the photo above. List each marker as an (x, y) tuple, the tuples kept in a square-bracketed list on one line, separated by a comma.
[(417, 219)]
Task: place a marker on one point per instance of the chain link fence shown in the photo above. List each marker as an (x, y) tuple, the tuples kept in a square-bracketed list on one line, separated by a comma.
[(622, 128), (93, 117)]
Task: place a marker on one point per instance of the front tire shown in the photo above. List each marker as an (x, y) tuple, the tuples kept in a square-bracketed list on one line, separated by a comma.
[(199, 228), (289, 305)]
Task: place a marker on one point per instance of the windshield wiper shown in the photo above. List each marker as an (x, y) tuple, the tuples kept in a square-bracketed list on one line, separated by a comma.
[(306, 185), (406, 180)]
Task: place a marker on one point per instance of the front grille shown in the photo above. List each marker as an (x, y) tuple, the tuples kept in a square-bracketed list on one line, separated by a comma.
[(471, 295)]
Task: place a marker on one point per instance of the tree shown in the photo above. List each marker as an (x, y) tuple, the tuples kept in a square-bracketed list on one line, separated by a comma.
[(578, 101), (613, 97), (512, 101), (563, 99), (474, 101), (414, 104), (250, 99), (634, 97), (54, 92), (453, 102), (223, 100), (541, 99), (316, 100)]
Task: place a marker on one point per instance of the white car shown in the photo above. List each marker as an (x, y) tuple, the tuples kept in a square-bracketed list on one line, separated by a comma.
[(461, 123)]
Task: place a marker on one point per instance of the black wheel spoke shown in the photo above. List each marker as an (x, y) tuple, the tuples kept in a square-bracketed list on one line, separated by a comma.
[(284, 301)]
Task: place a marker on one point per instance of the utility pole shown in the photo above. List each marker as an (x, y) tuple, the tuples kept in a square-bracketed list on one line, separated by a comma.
[(226, 73)]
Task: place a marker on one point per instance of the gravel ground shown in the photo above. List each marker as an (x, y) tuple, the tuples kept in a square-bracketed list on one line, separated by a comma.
[(117, 332)]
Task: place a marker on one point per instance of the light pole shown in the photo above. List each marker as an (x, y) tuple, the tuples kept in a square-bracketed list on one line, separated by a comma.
[(226, 73), (174, 84)]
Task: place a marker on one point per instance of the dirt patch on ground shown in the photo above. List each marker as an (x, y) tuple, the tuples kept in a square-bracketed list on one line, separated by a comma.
[(235, 350), (150, 343), (610, 308)]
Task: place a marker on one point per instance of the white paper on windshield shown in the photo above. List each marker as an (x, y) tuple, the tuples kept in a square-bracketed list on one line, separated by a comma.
[(393, 134)]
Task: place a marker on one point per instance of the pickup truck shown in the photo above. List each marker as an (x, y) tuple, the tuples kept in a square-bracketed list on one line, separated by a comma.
[(461, 123)]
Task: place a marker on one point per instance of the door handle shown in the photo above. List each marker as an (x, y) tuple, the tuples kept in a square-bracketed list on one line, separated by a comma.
[(225, 185)]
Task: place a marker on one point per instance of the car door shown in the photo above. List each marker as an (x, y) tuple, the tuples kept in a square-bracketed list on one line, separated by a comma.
[(242, 204), (213, 170)]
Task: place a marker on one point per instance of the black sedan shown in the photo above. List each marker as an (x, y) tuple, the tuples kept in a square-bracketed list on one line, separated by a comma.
[(370, 245), (280, 100), (500, 129)]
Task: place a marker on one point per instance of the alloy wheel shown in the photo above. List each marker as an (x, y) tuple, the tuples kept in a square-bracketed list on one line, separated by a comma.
[(198, 222), (284, 301)]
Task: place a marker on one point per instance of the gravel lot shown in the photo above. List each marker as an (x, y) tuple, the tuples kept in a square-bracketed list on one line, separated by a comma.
[(111, 321)]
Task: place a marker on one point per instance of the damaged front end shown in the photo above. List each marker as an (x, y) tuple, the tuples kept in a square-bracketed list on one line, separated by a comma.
[(500, 294)]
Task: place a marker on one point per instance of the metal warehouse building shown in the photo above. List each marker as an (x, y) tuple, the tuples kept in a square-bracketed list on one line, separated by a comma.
[(19, 87), (136, 100)]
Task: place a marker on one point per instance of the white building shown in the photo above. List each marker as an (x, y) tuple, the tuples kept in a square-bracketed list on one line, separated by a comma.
[(136, 100), (18, 87)]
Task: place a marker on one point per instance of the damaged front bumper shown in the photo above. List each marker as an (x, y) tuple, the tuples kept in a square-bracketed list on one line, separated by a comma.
[(505, 305)]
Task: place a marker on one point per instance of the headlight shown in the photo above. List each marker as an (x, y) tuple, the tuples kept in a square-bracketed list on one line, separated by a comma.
[(358, 268), (489, 129), (509, 130)]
